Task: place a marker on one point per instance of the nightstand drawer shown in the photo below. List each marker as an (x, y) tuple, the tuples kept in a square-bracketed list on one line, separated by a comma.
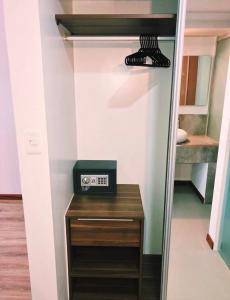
[(105, 232)]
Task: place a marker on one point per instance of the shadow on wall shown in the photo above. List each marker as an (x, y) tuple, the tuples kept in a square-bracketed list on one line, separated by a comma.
[(133, 89), (66, 6), (124, 6)]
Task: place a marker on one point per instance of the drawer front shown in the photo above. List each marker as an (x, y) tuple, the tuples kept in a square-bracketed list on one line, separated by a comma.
[(100, 232)]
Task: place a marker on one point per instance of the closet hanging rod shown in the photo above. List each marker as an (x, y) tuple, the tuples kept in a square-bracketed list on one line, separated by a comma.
[(113, 38)]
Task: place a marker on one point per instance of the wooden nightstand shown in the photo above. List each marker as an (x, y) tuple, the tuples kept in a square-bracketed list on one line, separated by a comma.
[(105, 245)]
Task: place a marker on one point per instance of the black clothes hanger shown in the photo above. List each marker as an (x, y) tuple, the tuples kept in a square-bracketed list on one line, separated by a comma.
[(158, 55), (149, 51)]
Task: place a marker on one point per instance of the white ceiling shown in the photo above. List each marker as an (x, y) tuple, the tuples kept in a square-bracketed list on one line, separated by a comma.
[(208, 6), (208, 18), (220, 33)]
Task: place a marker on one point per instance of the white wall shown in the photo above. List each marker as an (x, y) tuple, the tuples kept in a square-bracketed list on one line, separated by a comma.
[(122, 114), (218, 90), (24, 51), (208, 14), (183, 172), (199, 177), (222, 163), (41, 72), (125, 6), (109, 6), (58, 75), (199, 46), (9, 169), (208, 6)]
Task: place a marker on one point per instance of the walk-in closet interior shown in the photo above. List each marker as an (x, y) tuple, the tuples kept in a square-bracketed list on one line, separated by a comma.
[(83, 101)]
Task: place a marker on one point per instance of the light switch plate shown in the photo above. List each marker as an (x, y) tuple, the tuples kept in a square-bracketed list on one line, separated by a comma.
[(33, 142)]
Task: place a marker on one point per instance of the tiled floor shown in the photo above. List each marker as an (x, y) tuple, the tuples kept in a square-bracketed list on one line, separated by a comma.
[(195, 271)]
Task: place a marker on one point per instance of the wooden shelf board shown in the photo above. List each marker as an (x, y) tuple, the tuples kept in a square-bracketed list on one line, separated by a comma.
[(125, 204), (106, 271), (118, 25), (91, 295), (105, 290), (105, 262)]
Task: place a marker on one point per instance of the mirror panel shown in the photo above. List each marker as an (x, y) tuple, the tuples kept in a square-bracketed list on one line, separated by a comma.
[(195, 80)]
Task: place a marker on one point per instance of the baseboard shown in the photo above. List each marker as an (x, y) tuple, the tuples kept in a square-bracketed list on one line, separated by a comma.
[(152, 258), (10, 196), (152, 264), (182, 182), (210, 241)]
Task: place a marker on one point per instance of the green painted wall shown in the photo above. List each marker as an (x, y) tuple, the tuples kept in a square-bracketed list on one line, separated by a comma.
[(218, 88), (164, 6)]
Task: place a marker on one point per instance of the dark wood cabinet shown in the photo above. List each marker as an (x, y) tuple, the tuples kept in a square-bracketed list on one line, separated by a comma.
[(105, 245), (118, 24)]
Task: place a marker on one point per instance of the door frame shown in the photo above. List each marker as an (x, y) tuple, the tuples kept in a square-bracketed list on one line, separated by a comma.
[(171, 153), (221, 170)]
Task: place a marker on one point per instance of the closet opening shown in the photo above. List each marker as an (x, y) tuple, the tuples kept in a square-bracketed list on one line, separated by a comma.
[(122, 113)]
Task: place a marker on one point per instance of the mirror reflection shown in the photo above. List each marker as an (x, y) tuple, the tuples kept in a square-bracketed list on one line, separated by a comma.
[(199, 259), (195, 80)]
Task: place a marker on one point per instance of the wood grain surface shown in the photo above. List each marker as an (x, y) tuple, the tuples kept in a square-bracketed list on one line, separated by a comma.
[(88, 289), (14, 270), (113, 227), (189, 80), (105, 233), (192, 80), (125, 204), (109, 262), (10, 196), (184, 80)]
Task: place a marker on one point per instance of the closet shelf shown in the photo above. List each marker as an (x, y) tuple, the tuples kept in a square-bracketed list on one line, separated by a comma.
[(118, 25)]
